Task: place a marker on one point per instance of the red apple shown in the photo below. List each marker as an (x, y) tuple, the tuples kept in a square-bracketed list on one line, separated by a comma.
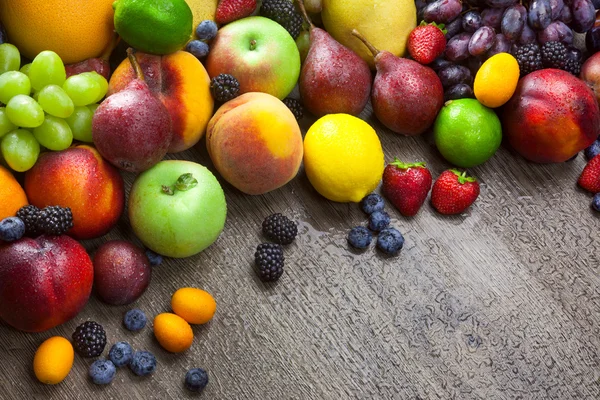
[(590, 74), (44, 282)]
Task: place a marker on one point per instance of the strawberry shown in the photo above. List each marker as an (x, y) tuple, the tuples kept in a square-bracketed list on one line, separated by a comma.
[(590, 177), (406, 185), (453, 192), (426, 42), (231, 10)]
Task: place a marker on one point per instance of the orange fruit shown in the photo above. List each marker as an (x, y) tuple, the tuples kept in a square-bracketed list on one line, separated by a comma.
[(12, 195), (53, 360), (76, 30), (172, 332), (196, 306)]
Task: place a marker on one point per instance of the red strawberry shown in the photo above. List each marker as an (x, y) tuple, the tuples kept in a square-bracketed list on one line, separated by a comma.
[(406, 185), (231, 10), (453, 192), (426, 42), (590, 177)]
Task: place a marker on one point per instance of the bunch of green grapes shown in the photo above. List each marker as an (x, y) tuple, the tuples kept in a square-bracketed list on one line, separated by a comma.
[(42, 108)]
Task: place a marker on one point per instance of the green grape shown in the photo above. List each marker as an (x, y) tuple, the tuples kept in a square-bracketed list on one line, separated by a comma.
[(83, 89), (20, 149), (55, 101), (24, 111), (93, 107), (13, 83), (25, 69), (10, 59), (47, 69), (54, 134), (101, 82), (5, 124), (81, 124)]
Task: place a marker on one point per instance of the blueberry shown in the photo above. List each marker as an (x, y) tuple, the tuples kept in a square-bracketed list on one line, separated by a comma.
[(372, 203), (135, 320), (206, 30), (359, 237), (120, 354), (155, 259), (196, 379), (102, 372), (198, 48), (593, 150), (11, 229), (596, 202), (379, 220), (143, 363), (390, 241)]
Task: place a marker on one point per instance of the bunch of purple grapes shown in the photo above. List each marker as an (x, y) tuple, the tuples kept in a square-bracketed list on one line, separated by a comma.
[(478, 29)]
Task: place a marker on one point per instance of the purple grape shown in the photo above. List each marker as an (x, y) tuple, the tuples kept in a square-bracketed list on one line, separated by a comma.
[(540, 14), (556, 6), (457, 48), (481, 41), (442, 11), (458, 91), (453, 28), (492, 17), (3, 38), (527, 35), (584, 15), (474, 3), (473, 63), (502, 45), (500, 3), (439, 63), (557, 31), (565, 15), (596, 4), (455, 74), (471, 21), (420, 4), (592, 40), (513, 22)]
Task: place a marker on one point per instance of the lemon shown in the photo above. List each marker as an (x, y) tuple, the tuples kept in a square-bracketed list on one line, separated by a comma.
[(343, 158), (154, 26), (496, 80)]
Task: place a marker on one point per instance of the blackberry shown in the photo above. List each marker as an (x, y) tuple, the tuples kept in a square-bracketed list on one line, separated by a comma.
[(224, 87), (89, 339), (529, 57), (29, 215), (269, 260), (574, 61), (55, 220), (284, 13), (554, 55), (279, 228), (295, 107)]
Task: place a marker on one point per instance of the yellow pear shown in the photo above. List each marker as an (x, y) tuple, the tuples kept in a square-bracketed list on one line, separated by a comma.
[(385, 23), (202, 9)]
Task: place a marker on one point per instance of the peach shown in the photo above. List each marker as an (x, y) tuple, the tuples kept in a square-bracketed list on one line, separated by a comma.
[(81, 179), (180, 81), (255, 143)]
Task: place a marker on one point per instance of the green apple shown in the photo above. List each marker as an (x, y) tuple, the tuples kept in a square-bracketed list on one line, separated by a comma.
[(177, 208), (259, 53)]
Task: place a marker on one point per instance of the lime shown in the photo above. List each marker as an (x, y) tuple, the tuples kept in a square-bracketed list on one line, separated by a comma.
[(154, 26), (466, 132), (343, 158)]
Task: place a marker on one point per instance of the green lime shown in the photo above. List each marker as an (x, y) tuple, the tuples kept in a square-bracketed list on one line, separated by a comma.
[(466, 132), (154, 26)]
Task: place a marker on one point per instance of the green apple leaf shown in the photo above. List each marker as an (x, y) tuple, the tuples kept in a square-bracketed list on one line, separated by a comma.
[(186, 182)]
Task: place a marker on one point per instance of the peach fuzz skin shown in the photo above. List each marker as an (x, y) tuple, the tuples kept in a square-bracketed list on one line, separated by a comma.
[(255, 143), (81, 179), (182, 84)]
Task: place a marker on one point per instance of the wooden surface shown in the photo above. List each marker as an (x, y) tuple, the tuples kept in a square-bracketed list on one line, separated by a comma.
[(501, 303)]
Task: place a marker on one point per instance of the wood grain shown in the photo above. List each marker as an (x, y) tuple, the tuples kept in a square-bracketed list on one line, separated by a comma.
[(499, 303)]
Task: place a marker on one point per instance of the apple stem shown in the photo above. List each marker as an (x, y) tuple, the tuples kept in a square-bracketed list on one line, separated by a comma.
[(366, 42), (304, 13), (252, 44), (134, 63)]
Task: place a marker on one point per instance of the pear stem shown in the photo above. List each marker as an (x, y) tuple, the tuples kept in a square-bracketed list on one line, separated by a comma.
[(134, 63), (366, 42), (303, 11)]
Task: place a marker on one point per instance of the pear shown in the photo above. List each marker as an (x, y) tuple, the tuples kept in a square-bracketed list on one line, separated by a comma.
[(406, 95), (132, 128), (333, 78)]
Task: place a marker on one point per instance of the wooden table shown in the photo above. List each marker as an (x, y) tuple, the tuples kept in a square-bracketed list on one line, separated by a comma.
[(500, 303)]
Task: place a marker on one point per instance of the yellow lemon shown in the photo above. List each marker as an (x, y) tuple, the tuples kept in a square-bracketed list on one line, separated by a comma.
[(343, 158), (53, 360), (496, 80)]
